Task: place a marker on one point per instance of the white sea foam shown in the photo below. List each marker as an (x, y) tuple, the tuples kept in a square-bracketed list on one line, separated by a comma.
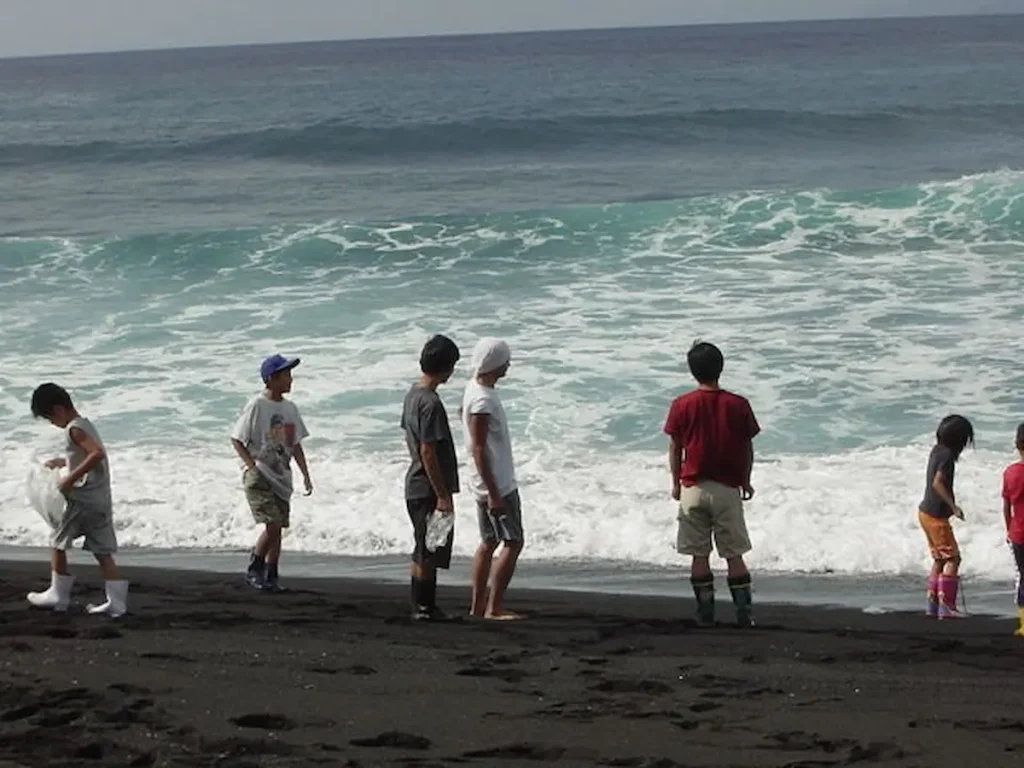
[(853, 323), (852, 513)]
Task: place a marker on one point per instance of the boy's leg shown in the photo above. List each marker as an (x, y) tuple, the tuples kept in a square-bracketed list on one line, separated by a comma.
[(101, 540), (272, 513), (262, 543), (58, 595), (423, 572), (693, 538), (733, 541), (932, 594), (947, 551), (482, 560), (108, 568), (275, 533), (59, 561), (481, 574), (509, 529), (935, 573), (504, 570), (1018, 556)]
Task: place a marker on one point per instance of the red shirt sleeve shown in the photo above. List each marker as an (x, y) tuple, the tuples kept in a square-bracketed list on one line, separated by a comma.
[(1006, 485), (753, 428), (674, 421)]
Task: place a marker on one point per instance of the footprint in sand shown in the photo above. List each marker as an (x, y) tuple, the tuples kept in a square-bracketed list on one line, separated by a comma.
[(394, 740), (267, 721)]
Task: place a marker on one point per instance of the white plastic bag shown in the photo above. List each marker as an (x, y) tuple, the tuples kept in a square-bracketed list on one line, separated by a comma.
[(439, 525), (44, 495)]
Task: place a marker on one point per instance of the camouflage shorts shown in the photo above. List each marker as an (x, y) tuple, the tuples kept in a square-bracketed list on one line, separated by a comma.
[(266, 506)]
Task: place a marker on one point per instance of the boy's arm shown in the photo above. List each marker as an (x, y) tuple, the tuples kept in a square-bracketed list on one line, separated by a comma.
[(753, 429), (675, 464), (300, 460), (674, 429), (1007, 507), (93, 456), (430, 431), (241, 434), (748, 490), (432, 466), (478, 423), (243, 453), (939, 486)]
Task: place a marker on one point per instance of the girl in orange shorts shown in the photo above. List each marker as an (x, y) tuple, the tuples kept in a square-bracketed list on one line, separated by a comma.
[(939, 504)]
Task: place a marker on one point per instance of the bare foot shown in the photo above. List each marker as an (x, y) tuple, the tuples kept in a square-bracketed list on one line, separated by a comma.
[(504, 616)]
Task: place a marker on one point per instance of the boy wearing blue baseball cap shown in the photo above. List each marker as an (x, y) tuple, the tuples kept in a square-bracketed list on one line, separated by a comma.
[(268, 433)]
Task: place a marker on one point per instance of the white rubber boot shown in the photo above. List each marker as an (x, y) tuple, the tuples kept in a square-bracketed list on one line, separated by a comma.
[(58, 596), (117, 600)]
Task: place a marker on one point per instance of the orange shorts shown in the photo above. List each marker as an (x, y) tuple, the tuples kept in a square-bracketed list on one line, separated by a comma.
[(939, 533)]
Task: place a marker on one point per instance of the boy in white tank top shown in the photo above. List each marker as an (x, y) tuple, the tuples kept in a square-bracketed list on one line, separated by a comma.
[(88, 512)]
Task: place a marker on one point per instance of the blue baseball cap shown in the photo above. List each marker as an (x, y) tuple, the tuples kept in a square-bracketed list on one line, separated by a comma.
[(276, 364)]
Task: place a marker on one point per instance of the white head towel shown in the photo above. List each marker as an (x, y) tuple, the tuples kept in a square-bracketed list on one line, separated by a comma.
[(489, 355)]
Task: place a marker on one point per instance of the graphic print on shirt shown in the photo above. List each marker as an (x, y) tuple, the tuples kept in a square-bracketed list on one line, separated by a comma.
[(276, 446)]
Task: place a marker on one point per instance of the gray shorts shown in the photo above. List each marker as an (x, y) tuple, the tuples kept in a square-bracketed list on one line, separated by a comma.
[(96, 526), (506, 525)]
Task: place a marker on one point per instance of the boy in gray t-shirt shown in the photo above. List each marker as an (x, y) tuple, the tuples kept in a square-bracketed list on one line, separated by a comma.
[(89, 509), (268, 433), (433, 474)]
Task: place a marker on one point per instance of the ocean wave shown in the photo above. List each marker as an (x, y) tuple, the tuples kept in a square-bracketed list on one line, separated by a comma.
[(977, 210), (852, 319), (348, 142), (811, 514)]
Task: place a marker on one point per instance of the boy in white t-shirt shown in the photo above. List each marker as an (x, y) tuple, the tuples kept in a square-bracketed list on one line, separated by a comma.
[(268, 433), (493, 480)]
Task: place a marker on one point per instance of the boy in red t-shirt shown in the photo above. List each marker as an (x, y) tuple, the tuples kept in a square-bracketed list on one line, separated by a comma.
[(711, 454), (1013, 515)]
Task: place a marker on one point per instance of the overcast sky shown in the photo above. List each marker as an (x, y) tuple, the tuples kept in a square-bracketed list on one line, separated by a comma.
[(29, 27)]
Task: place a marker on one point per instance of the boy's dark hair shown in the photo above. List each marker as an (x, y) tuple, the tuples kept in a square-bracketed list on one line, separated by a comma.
[(1020, 437), (47, 397), (706, 362), (439, 355), (956, 433)]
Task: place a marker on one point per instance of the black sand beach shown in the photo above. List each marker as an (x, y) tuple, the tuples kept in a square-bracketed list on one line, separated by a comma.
[(207, 673)]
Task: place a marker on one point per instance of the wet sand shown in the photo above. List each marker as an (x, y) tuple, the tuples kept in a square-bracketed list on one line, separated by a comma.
[(205, 672)]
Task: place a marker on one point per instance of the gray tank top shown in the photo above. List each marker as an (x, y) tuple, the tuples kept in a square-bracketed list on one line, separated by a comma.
[(95, 491)]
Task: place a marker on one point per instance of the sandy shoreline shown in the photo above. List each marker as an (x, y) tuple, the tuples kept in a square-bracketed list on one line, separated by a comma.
[(205, 672)]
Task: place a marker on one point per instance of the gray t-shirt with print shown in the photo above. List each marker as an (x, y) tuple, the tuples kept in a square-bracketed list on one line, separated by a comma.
[(270, 430)]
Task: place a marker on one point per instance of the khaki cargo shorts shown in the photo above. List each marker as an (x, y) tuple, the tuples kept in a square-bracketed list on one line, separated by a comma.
[(707, 509), (266, 506)]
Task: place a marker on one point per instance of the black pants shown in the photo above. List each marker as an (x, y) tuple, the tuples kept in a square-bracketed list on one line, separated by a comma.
[(420, 511), (1018, 555)]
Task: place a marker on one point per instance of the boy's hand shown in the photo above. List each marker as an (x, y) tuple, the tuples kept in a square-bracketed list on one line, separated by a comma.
[(494, 502), (677, 490), (445, 505), (957, 512), (309, 485), (65, 485), (55, 463), (747, 493)]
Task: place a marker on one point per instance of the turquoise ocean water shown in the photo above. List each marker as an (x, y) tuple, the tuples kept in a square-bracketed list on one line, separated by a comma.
[(839, 205)]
